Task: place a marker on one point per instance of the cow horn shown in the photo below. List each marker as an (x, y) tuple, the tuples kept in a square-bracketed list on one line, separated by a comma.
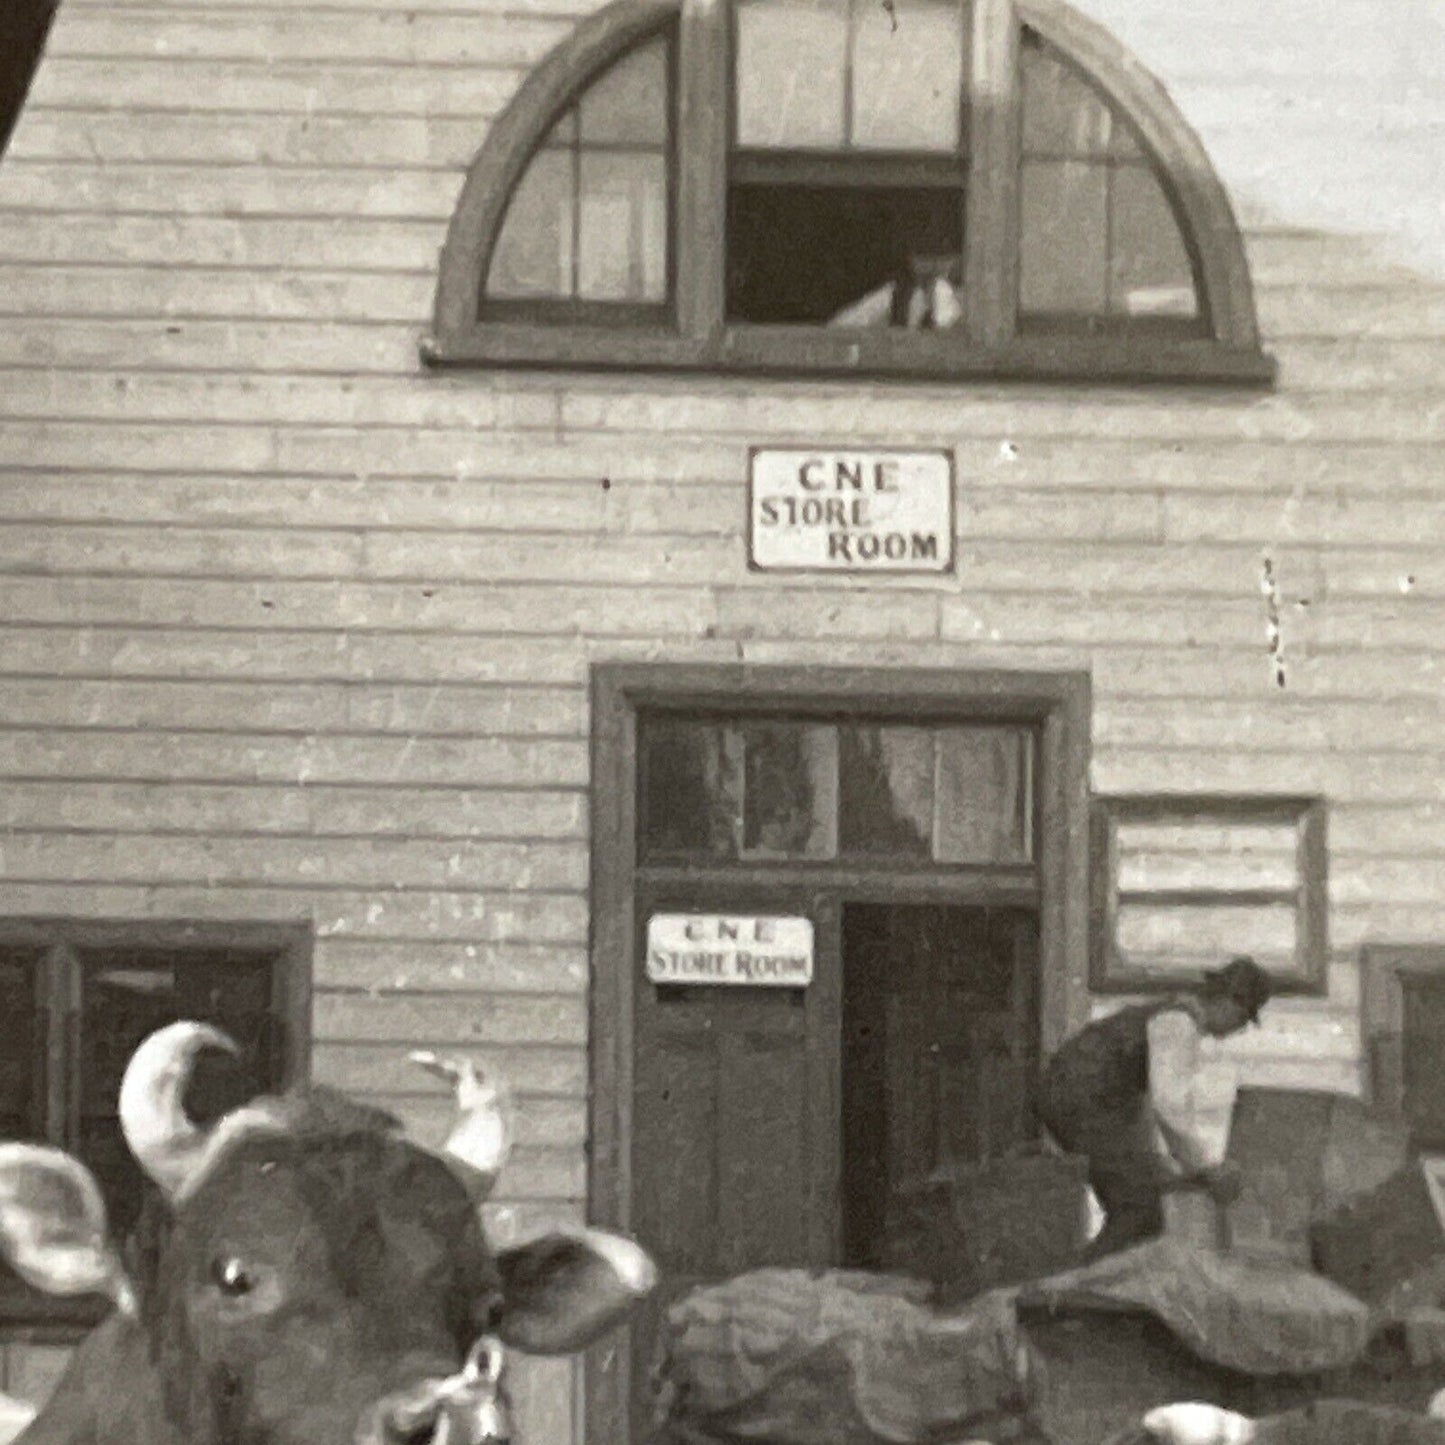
[(481, 1139), (165, 1142)]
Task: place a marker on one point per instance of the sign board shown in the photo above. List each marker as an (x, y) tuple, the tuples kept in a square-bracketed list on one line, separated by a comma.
[(816, 510), (717, 948)]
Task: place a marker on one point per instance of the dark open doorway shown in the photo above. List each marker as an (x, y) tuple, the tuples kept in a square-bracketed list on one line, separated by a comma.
[(940, 1051)]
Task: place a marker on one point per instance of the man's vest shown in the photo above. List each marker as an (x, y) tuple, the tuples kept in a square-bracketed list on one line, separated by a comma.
[(1103, 1070)]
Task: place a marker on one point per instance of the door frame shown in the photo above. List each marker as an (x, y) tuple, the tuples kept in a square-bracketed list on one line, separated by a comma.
[(1058, 703)]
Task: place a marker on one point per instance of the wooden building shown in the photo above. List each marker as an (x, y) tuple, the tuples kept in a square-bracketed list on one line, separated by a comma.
[(485, 554)]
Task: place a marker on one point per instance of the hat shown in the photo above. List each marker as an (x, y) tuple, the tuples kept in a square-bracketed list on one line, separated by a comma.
[(1244, 981)]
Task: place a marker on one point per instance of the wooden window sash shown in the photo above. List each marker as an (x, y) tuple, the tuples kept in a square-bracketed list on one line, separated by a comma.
[(756, 350), (55, 1119), (968, 882), (549, 89), (54, 1002), (990, 344), (835, 168), (1308, 897), (63, 1092), (58, 999), (1208, 226), (700, 160), (562, 311), (41, 1061), (991, 203), (1068, 52), (846, 866), (1386, 972)]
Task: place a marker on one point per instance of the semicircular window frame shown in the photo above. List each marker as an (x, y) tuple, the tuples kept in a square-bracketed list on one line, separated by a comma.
[(995, 338)]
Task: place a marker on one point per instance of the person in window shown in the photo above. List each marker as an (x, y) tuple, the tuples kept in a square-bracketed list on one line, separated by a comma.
[(923, 295), (1120, 1093)]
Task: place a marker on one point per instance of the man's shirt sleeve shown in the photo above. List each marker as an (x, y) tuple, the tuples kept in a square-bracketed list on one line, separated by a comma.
[(1173, 1071)]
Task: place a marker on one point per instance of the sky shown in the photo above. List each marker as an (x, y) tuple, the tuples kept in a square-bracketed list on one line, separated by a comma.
[(1352, 93)]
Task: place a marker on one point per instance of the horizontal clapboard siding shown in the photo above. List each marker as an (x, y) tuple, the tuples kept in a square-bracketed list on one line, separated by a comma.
[(292, 629)]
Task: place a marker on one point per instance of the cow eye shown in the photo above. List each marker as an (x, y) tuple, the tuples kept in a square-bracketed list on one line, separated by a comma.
[(231, 1277)]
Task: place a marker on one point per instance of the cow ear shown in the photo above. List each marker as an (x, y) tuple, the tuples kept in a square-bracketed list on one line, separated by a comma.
[(53, 1228), (562, 1291)]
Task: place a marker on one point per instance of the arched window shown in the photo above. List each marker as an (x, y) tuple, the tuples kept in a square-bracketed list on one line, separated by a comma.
[(933, 188)]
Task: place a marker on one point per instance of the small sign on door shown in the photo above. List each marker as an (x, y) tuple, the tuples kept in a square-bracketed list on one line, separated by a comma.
[(736, 949)]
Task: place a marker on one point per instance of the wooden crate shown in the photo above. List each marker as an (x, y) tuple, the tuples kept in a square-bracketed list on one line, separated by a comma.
[(972, 1227), (1389, 1247), (1102, 1370), (1303, 1154)]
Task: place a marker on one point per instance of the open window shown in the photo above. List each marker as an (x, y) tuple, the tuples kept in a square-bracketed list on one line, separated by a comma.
[(924, 187), (840, 201)]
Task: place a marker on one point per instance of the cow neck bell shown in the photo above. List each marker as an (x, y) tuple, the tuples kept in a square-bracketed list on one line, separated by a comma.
[(475, 1409)]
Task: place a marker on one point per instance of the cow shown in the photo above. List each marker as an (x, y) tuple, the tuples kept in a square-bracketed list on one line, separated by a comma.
[(304, 1275)]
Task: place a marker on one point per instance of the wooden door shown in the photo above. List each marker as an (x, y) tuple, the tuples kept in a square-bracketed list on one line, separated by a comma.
[(734, 1120), (940, 1051)]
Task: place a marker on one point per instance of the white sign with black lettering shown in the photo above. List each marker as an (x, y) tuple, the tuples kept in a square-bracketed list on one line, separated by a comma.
[(718, 948), (850, 511)]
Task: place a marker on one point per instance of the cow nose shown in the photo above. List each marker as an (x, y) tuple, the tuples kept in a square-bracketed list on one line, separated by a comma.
[(454, 1419), (412, 1417), (470, 1407), (434, 1414), (407, 1416)]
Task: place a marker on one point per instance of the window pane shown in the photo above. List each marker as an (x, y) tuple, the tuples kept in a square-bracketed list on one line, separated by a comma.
[(628, 104), (1125, 144), (19, 1042), (622, 244), (908, 75), (887, 790), (985, 801), (20, 1086), (234, 991), (1150, 274), (691, 789), (534, 250), (1216, 854), (1064, 117), (102, 1146), (790, 797), (1171, 938), (791, 62), (1063, 237), (121, 1003), (563, 135), (128, 993)]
